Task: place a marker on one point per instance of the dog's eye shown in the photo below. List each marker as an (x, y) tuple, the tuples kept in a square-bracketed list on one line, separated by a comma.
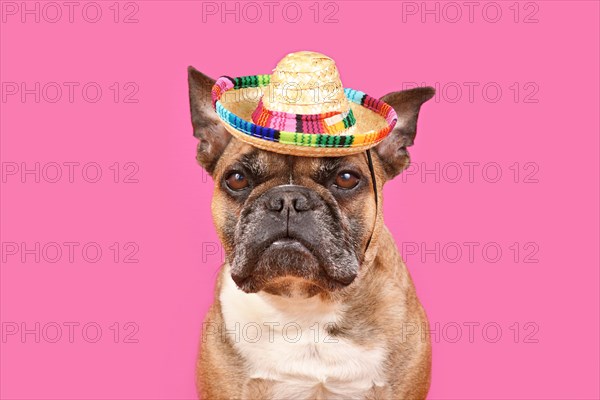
[(236, 181), (346, 180)]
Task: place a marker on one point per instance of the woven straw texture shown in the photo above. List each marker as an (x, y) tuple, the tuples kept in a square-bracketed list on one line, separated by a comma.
[(299, 120)]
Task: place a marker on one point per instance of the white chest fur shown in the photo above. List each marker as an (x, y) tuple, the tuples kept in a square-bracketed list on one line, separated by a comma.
[(286, 341)]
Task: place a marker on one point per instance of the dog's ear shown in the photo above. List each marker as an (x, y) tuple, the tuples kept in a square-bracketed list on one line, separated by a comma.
[(392, 150), (207, 127)]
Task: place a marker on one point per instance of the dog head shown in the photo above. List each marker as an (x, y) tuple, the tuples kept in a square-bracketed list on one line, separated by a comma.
[(295, 225)]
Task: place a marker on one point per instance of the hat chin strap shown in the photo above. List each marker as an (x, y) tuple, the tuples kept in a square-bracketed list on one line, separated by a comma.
[(374, 180)]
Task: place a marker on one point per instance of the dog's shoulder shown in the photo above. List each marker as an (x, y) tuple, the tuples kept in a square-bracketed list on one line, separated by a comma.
[(218, 375)]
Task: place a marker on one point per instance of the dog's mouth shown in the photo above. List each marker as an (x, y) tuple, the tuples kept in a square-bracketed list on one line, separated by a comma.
[(290, 243), (288, 264)]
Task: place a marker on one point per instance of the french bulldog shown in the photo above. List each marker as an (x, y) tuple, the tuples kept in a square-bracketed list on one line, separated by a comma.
[(314, 299)]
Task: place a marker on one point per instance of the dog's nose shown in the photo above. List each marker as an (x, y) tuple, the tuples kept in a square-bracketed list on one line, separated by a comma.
[(290, 197)]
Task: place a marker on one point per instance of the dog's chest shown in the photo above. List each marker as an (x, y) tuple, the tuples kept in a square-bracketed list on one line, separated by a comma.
[(291, 347)]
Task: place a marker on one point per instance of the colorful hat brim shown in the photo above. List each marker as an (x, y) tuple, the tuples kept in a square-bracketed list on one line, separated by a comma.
[(234, 104)]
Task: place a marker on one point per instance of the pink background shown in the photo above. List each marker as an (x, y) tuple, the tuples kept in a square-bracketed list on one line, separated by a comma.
[(379, 46)]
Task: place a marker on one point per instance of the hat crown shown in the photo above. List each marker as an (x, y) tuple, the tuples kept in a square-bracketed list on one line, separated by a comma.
[(307, 83)]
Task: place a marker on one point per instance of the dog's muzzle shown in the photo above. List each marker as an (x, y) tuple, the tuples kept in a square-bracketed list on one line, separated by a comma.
[(290, 231)]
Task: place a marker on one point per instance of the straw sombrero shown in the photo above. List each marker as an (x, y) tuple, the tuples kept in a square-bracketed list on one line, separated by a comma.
[(302, 109)]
